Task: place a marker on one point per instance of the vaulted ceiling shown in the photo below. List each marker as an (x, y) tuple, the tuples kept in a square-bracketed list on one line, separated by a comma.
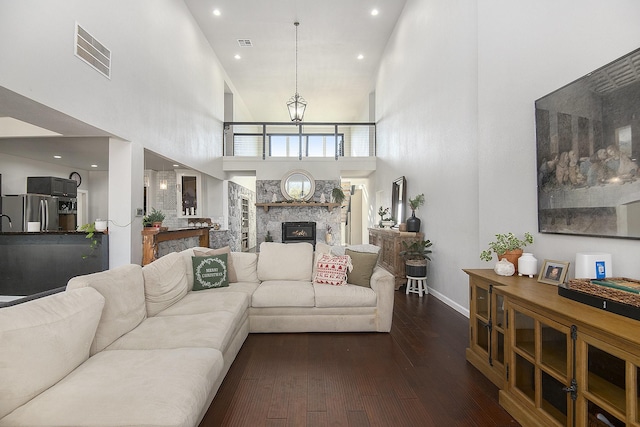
[(340, 43), (331, 36)]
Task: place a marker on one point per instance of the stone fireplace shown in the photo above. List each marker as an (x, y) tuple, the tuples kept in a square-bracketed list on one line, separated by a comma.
[(271, 220)]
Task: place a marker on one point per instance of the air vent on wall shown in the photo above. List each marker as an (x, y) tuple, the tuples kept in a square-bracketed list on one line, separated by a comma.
[(245, 43), (92, 51)]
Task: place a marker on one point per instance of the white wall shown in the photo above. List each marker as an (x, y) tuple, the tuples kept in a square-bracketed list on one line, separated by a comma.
[(15, 171), (426, 100), (527, 50), (166, 91), (456, 117)]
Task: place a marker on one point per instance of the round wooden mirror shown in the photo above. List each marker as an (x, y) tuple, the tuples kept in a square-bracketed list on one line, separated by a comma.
[(298, 185)]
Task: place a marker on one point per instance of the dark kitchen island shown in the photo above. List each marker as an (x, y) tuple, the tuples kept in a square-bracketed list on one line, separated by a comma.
[(40, 261)]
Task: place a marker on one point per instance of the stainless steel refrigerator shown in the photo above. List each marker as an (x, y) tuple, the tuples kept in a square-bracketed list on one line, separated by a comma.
[(30, 208)]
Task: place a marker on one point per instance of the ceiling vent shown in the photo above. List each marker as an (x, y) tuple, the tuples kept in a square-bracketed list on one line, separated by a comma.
[(245, 43), (92, 52)]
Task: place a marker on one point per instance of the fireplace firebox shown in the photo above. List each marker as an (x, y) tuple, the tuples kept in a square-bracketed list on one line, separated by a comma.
[(293, 232)]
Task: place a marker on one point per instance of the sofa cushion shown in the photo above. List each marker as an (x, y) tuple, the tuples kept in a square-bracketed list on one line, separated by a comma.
[(213, 329), (165, 282), (231, 271), (210, 300), (344, 296), (210, 330), (124, 306), (42, 341), (285, 261), (246, 266), (128, 388), (332, 269), (210, 272), (284, 293), (363, 265)]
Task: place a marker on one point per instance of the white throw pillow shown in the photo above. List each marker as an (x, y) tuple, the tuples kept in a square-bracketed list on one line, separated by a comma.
[(246, 264), (285, 261), (124, 307), (165, 282)]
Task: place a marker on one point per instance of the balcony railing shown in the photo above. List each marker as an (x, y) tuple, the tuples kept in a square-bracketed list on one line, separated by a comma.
[(259, 139)]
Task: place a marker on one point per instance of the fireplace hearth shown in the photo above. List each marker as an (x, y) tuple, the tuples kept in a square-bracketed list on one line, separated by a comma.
[(294, 232)]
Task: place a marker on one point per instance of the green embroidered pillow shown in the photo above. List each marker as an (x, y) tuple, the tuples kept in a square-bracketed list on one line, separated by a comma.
[(210, 272)]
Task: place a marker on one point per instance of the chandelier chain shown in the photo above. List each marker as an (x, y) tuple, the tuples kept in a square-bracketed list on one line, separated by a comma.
[(296, 24)]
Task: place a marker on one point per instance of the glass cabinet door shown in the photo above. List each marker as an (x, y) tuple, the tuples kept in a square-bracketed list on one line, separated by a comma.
[(482, 302), (499, 327), (541, 357), (608, 377)]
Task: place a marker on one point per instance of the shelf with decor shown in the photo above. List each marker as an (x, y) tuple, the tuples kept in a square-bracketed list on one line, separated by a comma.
[(266, 206)]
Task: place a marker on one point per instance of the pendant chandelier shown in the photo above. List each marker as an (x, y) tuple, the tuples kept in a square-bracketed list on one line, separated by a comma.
[(296, 103)]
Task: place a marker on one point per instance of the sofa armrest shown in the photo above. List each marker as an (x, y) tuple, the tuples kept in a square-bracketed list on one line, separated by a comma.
[(383, 284)]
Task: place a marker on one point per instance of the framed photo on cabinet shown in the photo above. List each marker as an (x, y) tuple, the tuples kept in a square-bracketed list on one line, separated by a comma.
[(553, 272)]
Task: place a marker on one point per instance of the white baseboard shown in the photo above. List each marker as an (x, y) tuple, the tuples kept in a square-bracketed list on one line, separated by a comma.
[(457, 307)]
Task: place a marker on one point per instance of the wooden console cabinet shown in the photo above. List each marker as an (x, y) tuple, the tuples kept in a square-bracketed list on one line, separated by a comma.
[(557, 362), (390, 242)]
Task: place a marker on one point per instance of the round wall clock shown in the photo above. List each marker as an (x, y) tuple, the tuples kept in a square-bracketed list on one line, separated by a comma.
[(76, 177)]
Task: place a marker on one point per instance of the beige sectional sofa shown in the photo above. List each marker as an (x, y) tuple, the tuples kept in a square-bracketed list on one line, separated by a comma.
[(136, 346)]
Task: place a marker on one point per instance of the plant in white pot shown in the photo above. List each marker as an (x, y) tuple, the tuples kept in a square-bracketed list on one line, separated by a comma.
[(416, 255), (507, 246)]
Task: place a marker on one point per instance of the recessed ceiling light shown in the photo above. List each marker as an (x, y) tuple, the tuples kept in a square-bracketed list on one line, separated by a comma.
[(361, 56), (237, 56), (94, 166), (374, 12), (176, 166), (57, 157), (216, 12)]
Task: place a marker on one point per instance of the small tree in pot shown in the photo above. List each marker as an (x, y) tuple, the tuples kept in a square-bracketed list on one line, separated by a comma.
[(413, 223), (153, 219), (416, 255)]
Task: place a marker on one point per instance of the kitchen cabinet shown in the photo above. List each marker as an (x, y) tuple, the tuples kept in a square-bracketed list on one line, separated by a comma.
[(51, 185)]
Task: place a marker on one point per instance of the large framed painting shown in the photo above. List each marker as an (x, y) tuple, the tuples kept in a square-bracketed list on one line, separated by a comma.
[(588, 146)]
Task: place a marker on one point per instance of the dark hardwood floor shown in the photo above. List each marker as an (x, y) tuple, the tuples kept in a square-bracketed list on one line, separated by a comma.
[(416, 375)]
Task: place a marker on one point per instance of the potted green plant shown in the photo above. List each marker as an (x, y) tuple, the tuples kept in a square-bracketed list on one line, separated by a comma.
[(90, 229), (413, 223), (153, 219), (416, 255), (507, 246), (338, 195)]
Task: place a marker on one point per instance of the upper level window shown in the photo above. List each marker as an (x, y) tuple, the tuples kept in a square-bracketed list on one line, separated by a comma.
[(313, 145)]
